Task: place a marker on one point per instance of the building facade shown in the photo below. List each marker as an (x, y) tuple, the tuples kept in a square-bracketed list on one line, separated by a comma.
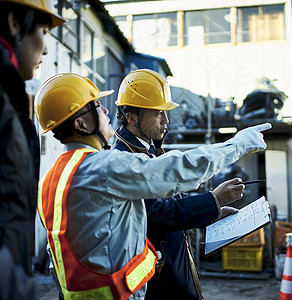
[(218, 48)]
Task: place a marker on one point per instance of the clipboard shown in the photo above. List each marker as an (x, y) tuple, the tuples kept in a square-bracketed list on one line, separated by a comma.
[(234, 227)]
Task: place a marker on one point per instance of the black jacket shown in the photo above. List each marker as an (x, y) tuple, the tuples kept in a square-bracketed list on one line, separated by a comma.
[(166, 221), (19, 166)]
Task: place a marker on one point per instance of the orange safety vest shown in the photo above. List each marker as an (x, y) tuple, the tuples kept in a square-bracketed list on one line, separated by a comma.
[(77, 280)]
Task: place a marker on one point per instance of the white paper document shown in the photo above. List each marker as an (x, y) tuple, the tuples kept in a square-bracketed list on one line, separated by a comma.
[(230, 229)]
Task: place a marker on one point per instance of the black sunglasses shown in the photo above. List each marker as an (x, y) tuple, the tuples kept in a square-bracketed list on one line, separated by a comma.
[(92, 108)]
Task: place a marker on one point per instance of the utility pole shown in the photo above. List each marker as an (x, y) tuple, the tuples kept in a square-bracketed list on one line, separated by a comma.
[(207, 187), (208, 136)]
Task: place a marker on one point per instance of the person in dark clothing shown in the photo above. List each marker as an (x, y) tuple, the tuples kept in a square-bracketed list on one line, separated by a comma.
[(23, 25), (144, 124)]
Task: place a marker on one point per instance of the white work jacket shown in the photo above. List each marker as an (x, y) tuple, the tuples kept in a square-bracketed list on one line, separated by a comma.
[(106, 212)]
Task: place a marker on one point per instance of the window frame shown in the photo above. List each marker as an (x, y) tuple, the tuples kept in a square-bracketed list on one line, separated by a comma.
[(260, 39), (58, 32)]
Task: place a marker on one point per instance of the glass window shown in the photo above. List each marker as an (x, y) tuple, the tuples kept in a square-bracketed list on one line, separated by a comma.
[(207, 27), (99, 55), (87, 47), (68, 33), (260, 23), (55, 30), (155, 30), (194, 24), (100, 85), (219, 27)]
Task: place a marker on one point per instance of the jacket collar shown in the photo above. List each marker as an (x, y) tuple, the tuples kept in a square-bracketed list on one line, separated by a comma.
[(76, 145), (130, 140), (124, 134), (11, 52)]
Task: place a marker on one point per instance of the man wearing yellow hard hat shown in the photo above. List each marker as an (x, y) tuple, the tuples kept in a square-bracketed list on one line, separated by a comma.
[(143, 99), (90, 200), (23, 25)]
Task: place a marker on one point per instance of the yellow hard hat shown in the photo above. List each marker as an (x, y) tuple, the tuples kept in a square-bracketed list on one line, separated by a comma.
[(146, 89), (63, 95), (45, 6)]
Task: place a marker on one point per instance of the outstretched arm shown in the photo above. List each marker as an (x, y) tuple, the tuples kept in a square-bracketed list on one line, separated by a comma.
[(174, 172)]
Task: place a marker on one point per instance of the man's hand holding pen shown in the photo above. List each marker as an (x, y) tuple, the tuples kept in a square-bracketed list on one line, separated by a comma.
[(229, 191)]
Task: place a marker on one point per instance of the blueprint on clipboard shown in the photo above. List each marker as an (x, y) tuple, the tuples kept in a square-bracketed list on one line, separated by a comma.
[(228, 230)]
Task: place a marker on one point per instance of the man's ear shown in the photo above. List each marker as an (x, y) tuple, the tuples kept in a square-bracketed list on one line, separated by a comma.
[(80, 125), (132, 118), (13, 24)]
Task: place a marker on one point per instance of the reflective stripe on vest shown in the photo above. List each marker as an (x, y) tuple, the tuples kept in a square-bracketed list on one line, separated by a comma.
[(77, 280)]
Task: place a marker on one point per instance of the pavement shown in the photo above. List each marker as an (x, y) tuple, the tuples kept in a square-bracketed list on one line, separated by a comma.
[(224, 288), (240, 289), (46, 289)]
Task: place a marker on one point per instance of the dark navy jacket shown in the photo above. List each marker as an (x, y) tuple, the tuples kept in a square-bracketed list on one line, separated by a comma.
[(167, 219), (19, 170)]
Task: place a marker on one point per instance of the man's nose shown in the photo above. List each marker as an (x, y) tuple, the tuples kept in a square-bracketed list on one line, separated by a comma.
[(165, 118), (105, 110), (45, 52)]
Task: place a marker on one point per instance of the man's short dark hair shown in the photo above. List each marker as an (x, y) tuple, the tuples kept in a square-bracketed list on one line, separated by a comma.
[(64, 130), (126, 109)]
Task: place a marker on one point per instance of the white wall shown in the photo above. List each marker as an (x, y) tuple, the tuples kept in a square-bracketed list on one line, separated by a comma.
[(276, 179)]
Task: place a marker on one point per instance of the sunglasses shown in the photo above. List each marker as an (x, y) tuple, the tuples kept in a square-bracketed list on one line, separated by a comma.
[(92, 108)]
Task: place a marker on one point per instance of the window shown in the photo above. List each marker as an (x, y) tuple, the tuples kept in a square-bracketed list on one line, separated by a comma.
[(87, 47), (100, 84), (68, 33), (155, 30), (99, 55), (260, 23), (93, 53), (207, 27)]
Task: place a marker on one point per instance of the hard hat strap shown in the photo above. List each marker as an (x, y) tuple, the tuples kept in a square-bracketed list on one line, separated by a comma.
[(96, 130), (121, 115), (140, 118)]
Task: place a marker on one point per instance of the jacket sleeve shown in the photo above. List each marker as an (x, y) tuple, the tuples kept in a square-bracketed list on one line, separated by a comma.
[(17, 183), (178, 213), (135, 176), (14, 283)]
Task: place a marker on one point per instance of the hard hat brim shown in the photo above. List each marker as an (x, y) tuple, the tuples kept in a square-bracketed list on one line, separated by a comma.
[(104, 93), (56, 19), (165, 106)]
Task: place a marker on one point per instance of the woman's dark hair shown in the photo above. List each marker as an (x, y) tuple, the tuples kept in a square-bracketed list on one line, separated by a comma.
[(27, 18)]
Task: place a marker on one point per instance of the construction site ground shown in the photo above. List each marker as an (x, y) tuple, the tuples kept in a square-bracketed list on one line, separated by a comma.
[(213, 288)]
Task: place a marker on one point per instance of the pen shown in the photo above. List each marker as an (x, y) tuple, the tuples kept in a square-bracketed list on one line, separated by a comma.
[(250, 182)]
